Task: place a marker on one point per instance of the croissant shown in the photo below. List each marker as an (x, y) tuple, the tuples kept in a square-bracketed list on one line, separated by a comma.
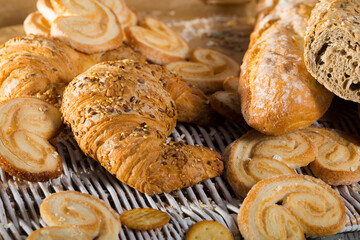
[(121, 115), (41, 67)]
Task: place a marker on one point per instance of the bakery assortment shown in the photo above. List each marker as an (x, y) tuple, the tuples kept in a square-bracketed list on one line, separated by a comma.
[(256, 156), (207, 69), (332, 47), (277, 93), (90, 59), (81, 211), (286, 207), (338, 159), (115, 121), (157, 42), (26, 125)]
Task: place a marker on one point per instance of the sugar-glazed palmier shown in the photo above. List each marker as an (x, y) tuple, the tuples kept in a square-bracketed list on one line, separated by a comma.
[(338, 159), (287, 206), (35, 23), (58, 233), (86, 25), (207, 69), (124, 14), (26, 125), (157, 42), (82, 211), (256, 156), (121, 114)]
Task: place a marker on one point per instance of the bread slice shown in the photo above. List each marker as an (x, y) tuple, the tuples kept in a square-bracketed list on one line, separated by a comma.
[(332, 47)]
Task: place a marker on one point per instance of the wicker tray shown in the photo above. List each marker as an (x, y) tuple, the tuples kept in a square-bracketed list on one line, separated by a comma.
[(212, 199)]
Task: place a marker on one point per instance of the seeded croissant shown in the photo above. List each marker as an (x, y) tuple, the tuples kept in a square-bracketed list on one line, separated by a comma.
[(121, 114), (41, 67)]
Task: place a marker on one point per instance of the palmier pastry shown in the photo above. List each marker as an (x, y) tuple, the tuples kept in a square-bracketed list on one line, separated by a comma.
[(332, 47), (83, 211), (256, 156), (287, 206), (277, 93), (227, 102), (35, 23), (338, 159), (26, 125), (121, 115), (58, 233), (157, 42), (207, 69), (86, 25), (124, 14)]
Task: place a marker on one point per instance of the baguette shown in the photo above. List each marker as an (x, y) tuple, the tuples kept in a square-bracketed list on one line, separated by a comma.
[(332, 51), (277, 92)]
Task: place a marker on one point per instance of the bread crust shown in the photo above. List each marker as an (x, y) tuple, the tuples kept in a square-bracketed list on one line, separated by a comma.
[(277, 93)]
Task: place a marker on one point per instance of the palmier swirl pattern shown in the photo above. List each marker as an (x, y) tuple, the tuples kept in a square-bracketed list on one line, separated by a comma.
[(58, 233), (207, 69), (338, 160), (256, 156), (82, 211), (26, 125), (89, 26), (124, 14), (121, 115), (157, 42), (35, 23), (287, 206)]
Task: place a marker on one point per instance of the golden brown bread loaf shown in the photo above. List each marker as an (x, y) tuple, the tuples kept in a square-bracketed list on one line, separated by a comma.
[(41, 67), (332, 47), (121, 115), (277, 93)]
